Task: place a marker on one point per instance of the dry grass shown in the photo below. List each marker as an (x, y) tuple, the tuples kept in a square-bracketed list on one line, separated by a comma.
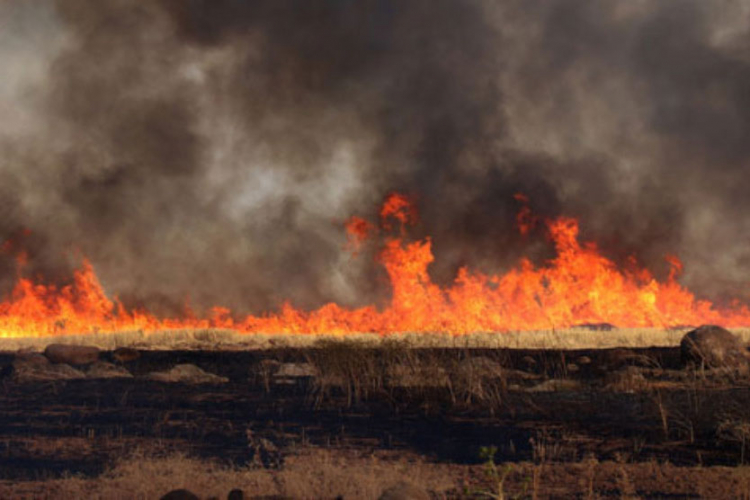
[(309, 473), (215, 339), (312, 473), (349, 368)]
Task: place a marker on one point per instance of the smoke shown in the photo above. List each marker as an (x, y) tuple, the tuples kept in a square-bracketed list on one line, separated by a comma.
[(213, 149)]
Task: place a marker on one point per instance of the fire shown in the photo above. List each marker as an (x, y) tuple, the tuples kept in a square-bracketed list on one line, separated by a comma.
[(398, 206), (358, 230), (525, 220), (578, 286)]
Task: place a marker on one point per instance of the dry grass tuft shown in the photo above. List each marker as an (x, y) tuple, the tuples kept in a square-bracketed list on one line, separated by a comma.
[(310, 473), (217, 339)]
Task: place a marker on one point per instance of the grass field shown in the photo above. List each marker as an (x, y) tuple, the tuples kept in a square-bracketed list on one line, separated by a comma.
[(327, 474), (213, 339), (379, 410)]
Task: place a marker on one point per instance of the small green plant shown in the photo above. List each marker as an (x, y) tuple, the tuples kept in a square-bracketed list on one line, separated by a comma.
[(494, 473)]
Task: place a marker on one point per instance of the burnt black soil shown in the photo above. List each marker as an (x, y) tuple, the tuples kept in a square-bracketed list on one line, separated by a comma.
[(81, 426)]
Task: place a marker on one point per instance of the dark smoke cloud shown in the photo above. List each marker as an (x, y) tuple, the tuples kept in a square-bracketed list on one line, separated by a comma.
[(215, 147)]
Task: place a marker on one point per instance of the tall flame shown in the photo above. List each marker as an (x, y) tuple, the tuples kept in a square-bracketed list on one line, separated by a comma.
[(578, 286)]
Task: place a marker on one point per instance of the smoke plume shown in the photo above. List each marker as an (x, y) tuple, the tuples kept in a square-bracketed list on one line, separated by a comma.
[(211, 150)]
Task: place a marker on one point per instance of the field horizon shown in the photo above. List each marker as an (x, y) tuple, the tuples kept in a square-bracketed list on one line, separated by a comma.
[(225, 339)]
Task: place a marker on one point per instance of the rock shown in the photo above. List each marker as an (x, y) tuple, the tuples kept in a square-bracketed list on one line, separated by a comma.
[(125, 354), (31, 367), (32, 358), (404, 491), (278, 497), (713, 347), (72, 354), (102, 369), (618, 359), (572, 367), (181, 494), (556, 384), (186, 374), (236, 494)]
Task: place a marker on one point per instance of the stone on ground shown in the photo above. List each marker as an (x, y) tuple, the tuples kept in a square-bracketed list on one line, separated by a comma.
[(236, 494), (187, 374), (32, 367), (103, 369), (181, 494), (32, 358), (72, 354), (713, 347)]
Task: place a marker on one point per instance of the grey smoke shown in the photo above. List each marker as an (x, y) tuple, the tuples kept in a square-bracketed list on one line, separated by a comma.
[(214, 148)]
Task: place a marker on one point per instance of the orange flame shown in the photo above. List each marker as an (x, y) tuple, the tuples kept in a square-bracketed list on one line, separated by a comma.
[(358, 230), (398, 206), (525, 220), (578, 286)]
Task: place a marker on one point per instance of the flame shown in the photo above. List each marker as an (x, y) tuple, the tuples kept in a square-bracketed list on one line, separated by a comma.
[(398, 206), (578, 286), (358, 230), (525, 220)]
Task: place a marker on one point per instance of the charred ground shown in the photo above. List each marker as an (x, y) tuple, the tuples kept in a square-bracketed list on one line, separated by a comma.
[(629, 406)]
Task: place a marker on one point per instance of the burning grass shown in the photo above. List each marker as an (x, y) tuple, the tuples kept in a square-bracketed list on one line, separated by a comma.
[(578, 286)]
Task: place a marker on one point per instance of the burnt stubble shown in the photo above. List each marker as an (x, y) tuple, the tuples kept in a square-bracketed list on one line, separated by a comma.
[(532, 405)]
